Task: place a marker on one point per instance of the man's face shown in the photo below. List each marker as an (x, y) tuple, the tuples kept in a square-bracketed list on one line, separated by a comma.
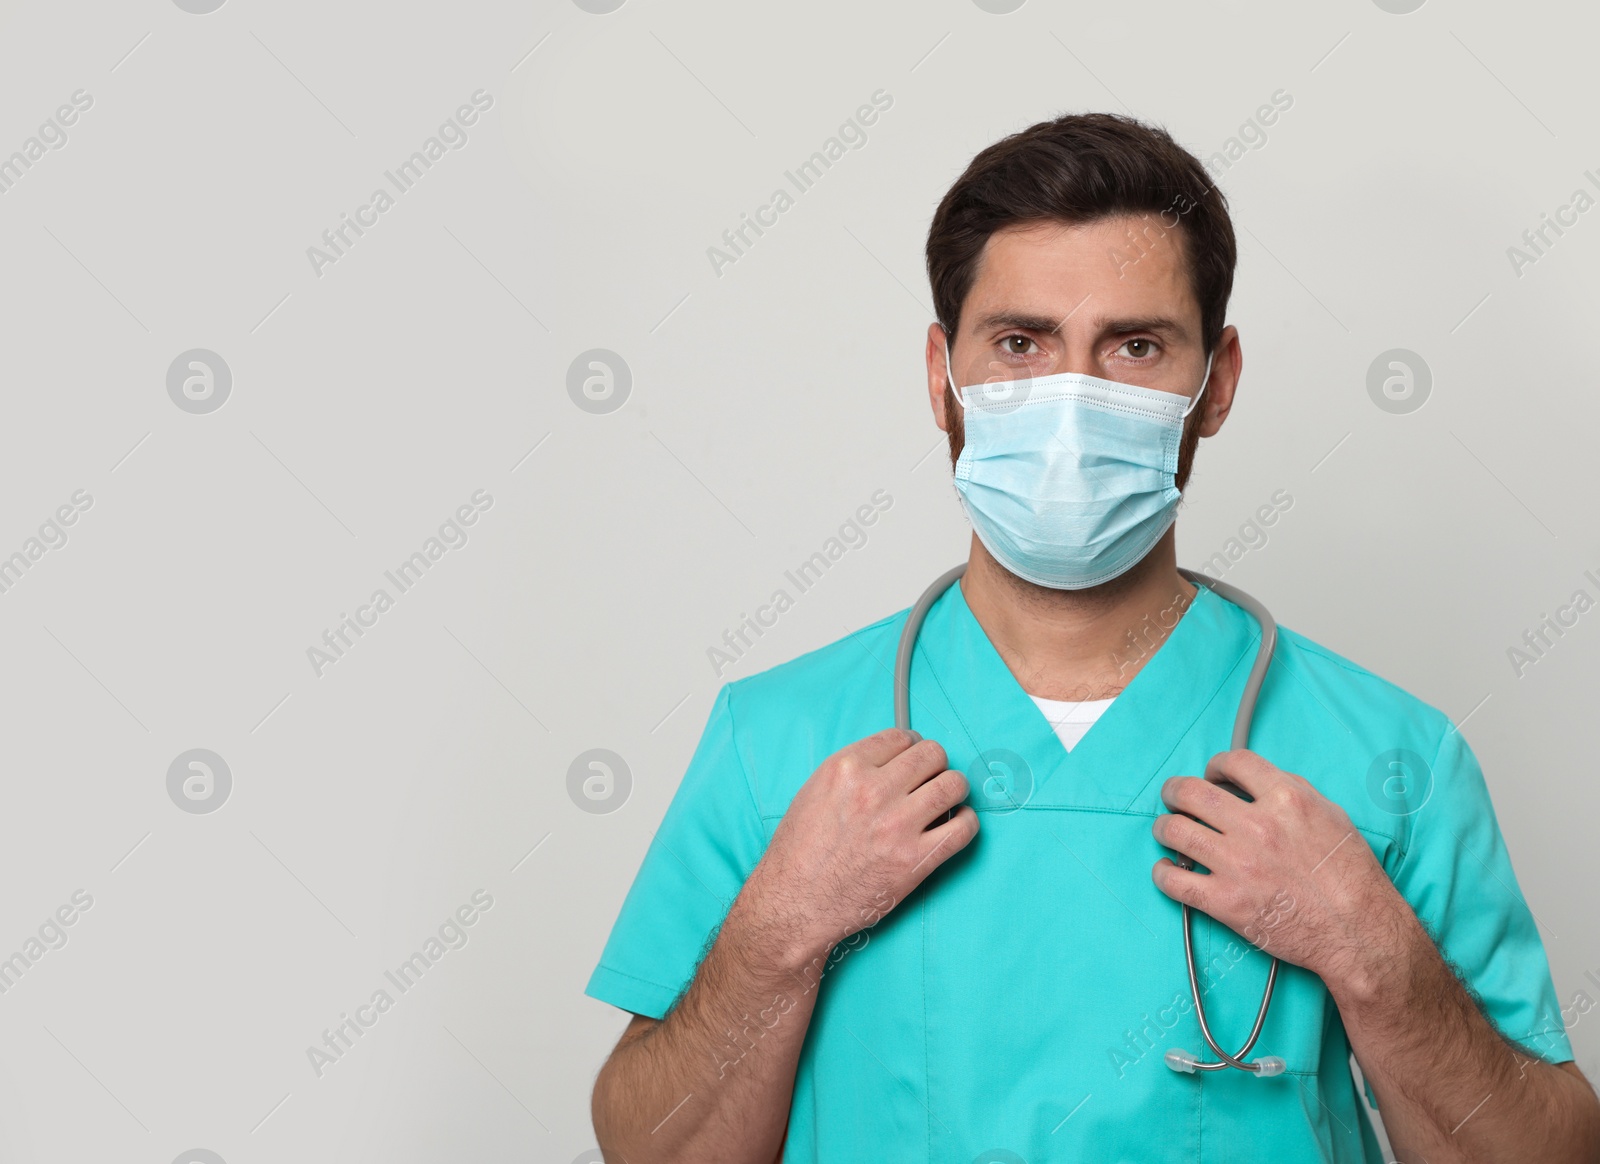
[(1052, 298)]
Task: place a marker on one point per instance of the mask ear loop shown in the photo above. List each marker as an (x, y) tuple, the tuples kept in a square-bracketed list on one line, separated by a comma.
[(950, 375), (1203, 383)]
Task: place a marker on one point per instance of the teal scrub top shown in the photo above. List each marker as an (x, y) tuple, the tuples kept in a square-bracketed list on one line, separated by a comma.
[(1016, 1006)]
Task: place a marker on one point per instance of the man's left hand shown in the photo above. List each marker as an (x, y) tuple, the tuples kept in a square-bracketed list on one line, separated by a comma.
[(1287, 870)]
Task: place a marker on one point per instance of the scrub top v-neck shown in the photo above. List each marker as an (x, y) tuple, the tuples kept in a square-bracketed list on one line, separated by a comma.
[(1020, 1000), (1071, 719)]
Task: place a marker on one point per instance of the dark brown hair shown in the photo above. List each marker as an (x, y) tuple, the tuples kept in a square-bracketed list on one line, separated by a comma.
[(1079, 168), (1076, 169)]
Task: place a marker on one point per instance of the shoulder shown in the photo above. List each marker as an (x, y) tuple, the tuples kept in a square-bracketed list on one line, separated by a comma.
[(785, 721), (1364, 740), (1327, 671), (819, 679)]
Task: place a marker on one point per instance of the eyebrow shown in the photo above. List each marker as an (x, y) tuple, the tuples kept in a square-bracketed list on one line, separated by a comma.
[(1020, 319), (1124, 325)]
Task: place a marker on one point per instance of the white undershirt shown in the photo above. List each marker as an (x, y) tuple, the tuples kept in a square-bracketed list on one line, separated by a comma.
[(1072, 720)]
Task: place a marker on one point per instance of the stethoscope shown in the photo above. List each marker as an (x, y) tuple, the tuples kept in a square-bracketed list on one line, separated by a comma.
[(1176, 1059)]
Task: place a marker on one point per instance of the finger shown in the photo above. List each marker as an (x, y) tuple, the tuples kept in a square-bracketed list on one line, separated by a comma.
[(1182, 885), (1245, 769), (1205, 801), (915, 766), (937, 797), (942, 842), (881, 747), (1191, 838)]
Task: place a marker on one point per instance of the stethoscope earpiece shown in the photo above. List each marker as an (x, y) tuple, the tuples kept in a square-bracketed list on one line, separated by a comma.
[(1182, 1061)]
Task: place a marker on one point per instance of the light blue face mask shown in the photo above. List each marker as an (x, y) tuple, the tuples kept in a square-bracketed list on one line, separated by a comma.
[(1068, 479)]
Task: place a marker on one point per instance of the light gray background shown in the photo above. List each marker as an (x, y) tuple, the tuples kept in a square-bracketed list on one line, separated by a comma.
[(767, 403)]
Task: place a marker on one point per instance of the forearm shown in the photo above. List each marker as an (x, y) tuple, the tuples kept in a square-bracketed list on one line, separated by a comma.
[(714, 1080), (1449, 1087)]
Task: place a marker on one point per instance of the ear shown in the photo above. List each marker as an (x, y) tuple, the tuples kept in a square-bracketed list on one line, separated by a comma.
[(938, 380), (1225, 369)]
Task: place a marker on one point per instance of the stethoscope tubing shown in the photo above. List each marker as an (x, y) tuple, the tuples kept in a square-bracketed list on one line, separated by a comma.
[(1241, 738)]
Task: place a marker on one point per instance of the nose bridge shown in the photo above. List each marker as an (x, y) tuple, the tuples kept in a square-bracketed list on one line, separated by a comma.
[(1072, 346), (1074, 353)]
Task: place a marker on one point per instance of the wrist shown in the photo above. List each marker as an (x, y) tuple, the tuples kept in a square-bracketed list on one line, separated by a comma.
[(776, 930), (1380, 965)]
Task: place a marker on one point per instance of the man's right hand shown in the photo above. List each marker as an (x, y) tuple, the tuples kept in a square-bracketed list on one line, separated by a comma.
[(858, 834), (855, 841)]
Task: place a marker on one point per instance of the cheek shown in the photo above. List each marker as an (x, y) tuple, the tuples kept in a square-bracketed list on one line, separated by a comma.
[(1186, 449), (953, 427)]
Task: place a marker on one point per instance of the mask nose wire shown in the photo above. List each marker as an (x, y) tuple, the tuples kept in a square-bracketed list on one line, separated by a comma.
[(950, 375)]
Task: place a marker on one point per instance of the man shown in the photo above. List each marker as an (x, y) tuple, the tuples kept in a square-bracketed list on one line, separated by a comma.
[(821, 963)]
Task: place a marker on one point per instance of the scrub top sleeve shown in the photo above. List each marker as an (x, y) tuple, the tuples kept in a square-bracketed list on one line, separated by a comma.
[(1457, 875), (708, 842)]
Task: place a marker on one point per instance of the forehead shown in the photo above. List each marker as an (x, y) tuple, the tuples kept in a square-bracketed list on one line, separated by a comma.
[(1123, 265)]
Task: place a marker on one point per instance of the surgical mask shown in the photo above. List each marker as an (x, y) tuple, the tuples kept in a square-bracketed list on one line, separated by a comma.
[(1068, 480)]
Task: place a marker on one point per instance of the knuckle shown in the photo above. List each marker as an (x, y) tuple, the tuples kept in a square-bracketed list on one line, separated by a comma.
[(857, 772), (895, 737), (860, 793), (905, 740)]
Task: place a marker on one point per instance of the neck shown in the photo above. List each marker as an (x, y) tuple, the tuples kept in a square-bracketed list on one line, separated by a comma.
[(1078, 644)]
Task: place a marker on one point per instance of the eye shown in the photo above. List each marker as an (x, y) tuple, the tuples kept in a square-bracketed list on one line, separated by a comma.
[(1017, 344), (1147, 346)]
